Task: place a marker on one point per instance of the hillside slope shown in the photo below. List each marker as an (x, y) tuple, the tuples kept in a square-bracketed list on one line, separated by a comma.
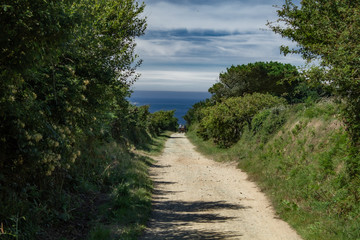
[(297, 156)]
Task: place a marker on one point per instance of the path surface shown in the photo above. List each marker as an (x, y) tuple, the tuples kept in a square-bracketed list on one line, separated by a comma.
[(197, 198)]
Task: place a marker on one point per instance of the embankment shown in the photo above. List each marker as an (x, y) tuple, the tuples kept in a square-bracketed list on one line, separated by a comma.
[(298, 158)]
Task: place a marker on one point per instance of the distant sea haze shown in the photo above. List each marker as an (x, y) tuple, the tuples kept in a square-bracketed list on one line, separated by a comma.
[(168, 100)]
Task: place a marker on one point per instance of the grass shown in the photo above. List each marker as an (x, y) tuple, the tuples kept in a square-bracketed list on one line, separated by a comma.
[(301, 166), (126, 213), (155, 145), (105, 195)]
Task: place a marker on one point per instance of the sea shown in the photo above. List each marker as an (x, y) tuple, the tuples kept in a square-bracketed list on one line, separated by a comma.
[(181, 102)]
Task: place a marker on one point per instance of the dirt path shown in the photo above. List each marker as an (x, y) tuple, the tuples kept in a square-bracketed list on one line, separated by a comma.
[(197, 198)]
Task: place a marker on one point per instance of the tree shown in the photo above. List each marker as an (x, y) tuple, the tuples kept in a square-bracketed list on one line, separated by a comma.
[(329, 31), (32, 30), (65, 67), (262, 77), (65, 71), (31, 35)]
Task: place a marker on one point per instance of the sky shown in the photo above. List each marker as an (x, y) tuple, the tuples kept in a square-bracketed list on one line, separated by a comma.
[(189, 42)]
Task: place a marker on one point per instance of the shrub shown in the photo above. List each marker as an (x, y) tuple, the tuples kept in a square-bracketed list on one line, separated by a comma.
[(274, 121), (194, 114), (161, 121), (225, 121), (259, 119), (132, 125)]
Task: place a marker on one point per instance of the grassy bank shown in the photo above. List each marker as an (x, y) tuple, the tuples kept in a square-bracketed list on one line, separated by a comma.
[(127, 210), (127, 197), (297, 156), (106, 195), (155, 146)]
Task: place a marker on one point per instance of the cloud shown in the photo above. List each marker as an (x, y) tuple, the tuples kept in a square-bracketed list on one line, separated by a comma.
[(214, 48), (176, 80), (229, 15), (188, 43), (208, 2)]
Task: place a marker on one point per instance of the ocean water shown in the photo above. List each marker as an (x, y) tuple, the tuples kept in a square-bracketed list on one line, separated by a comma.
[(181, 102)]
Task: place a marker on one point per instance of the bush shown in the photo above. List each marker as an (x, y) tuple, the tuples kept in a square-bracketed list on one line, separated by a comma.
[(225, 121), (259, 119), (274, 121), (194, 114), (162, 121), (131, 125)]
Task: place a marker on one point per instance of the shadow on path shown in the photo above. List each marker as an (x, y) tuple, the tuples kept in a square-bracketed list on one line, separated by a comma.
[(186, 220), (177, 137), (171, 218)]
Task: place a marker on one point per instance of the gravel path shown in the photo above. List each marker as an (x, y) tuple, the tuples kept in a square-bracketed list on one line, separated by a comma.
[(197, 198)]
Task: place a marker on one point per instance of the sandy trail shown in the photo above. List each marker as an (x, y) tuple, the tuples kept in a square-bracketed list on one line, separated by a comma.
[(197, 198)]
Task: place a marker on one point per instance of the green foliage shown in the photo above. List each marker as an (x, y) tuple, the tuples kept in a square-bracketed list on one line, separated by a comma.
[(156, 144), (131, 125), (161, 121), (31, 33), (263, 77), (268, 121), (225, 121), (47, 108), (66, 126), (259, 119), (30, 144), (329, 32), (100, 233), (135, 125), (308, 92), (194, 114)]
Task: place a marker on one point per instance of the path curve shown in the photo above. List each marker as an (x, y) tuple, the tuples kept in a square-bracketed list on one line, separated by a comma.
[(198, 198)]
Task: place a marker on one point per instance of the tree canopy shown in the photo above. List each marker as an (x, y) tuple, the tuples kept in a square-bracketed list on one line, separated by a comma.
[(262, 77), (65, 70)]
